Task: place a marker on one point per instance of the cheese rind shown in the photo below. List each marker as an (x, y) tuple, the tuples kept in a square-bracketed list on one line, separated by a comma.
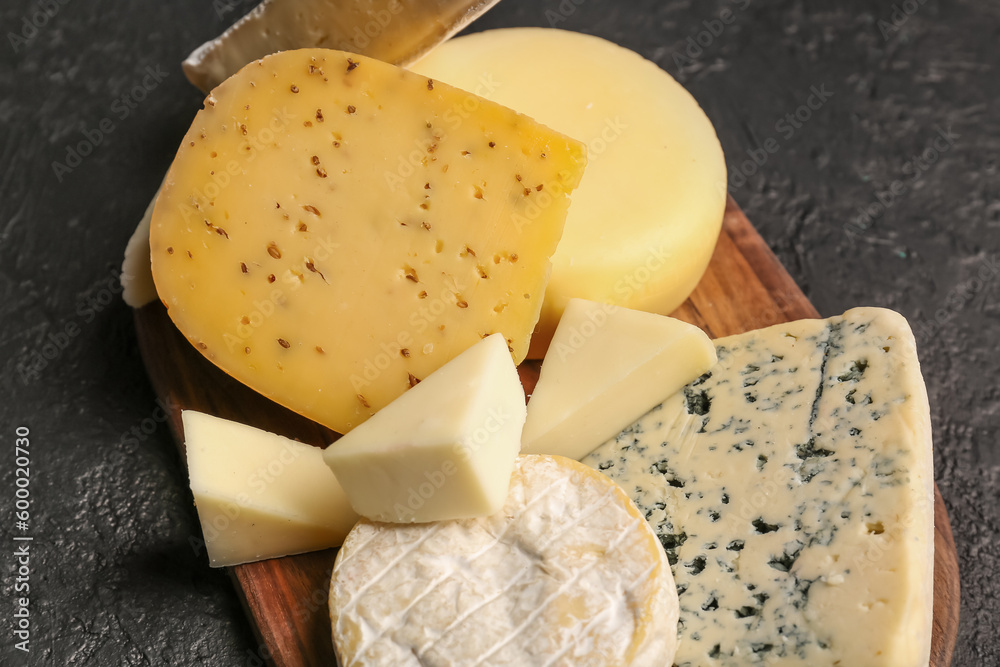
[(567, 574), (395, 31), (647, 214), (138, 287), (443, 450), (605, 368), (792, 486), (334, 228), (260, 495)]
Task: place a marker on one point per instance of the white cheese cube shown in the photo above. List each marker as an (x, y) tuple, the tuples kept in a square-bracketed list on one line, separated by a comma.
[(445, 449), (260, 495)]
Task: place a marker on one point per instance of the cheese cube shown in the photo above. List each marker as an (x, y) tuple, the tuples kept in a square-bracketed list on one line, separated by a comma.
[(606, 367), (334, 228), (647, 214), (443, 450), (260, 495)]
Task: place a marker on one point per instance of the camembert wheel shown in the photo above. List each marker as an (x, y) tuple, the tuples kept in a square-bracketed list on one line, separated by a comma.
[(568, 573)]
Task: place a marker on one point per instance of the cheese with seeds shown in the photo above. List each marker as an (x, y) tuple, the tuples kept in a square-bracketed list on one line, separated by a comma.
[(567, 574), (333, 229), (792, 487), (647, 214)]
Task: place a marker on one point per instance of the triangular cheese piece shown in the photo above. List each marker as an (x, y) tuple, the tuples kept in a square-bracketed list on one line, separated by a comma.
[(606, 367), (260, 495), (445, 449)]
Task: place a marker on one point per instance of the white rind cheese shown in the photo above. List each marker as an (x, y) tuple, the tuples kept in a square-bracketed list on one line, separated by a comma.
[(792, 487), (568, 574)]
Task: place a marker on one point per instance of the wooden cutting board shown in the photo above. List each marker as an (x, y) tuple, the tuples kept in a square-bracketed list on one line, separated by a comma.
[(745, 287)]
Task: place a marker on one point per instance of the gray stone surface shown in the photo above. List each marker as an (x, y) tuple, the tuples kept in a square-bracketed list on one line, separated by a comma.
[(113, 579)]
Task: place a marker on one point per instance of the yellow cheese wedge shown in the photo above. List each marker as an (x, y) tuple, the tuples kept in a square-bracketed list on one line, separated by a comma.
[(260, 495), (606, 367), (396, 31), (333, 229), (444, 449), (647, 214)]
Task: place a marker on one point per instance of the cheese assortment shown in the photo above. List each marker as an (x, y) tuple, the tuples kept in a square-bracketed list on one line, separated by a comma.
[(372, 248), (333, 229), (792, 487), (647, 214), (607, 366), (567, 574), (260, 495), (443, 450)]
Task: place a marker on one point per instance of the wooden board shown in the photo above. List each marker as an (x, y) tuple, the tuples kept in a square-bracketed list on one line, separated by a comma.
[(744, 288)]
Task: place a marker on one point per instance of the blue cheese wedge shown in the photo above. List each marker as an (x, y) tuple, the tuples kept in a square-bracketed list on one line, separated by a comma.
[(792, 488)]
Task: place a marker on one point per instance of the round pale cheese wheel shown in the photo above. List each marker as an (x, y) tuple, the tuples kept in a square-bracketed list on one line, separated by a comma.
[(567, 574), (644, 221)]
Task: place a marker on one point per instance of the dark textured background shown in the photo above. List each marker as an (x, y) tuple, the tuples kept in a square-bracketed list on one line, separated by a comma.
[(114, 579)]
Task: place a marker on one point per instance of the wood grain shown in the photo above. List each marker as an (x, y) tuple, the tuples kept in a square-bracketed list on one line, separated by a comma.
[(946, 587), (744, 288)]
